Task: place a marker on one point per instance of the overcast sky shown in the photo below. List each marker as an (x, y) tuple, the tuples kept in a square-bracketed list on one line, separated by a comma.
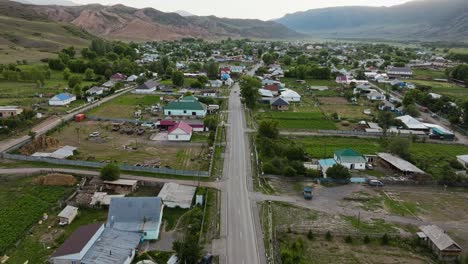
[(261, 9)]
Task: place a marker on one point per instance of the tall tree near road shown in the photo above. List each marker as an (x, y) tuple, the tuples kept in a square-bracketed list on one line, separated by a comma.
[(249, 90)]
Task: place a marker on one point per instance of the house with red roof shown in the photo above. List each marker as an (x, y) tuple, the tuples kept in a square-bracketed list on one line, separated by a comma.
[(117, 77), (180, 132), (274, 88)]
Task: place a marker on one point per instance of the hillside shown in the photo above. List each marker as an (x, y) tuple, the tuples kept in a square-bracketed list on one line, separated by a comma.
[(423, 19), (126, 23)]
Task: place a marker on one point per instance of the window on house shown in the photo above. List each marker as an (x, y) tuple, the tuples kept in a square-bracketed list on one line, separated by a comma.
[(185, 111)]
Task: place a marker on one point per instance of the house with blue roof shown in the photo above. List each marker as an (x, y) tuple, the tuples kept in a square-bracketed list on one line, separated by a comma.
[(136, 214), (62, 99)]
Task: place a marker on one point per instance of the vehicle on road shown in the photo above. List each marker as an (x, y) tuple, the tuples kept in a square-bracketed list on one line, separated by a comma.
[(375, 183), (308, 194)]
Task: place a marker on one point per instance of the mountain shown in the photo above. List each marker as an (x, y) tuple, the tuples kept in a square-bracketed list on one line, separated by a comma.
[(423, 19), (183, 13), (148, 24), (48, 2)]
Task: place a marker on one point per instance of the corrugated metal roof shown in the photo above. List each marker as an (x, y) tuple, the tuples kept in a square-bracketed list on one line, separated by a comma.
[(182, 195), (399, 163), (440, 239), (68, 212), (78, 240), (134, 213)]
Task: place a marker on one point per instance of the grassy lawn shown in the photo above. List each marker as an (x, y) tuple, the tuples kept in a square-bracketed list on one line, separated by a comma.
[(124, 106), (424, 73), (32, 200), (291, 83), (171, 216), (298, 120)]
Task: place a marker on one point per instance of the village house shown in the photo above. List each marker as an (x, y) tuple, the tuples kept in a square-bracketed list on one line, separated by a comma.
[(208, 93), (186, 106), (118, 77), (176, 195), (279, 104), (274, 88), (350, 159), (146, 88), (324, 165), (399, 72), (62, 99), (10, 111), (136, 214), (290, 95), (375, 96), (180, 132), (121, 186), (215, 83), (412, 123), (95, 90), (132, 78), (440, 243)]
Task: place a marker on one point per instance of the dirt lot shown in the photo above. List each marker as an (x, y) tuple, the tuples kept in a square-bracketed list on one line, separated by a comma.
[(130, 149)]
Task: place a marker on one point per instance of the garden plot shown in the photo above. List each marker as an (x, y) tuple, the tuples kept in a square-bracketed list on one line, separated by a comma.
[(125, 106), (345, 109), (131, 149)]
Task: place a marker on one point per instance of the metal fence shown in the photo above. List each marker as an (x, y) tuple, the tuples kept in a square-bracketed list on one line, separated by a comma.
[(93, 164)]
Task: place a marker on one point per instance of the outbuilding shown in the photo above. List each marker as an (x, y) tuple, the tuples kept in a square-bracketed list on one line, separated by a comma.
[(67, 215), (290, 96), (176, 195), (121, 186), (62, 99), (180, 132), (440, 243), (400, 164), (279, 104)]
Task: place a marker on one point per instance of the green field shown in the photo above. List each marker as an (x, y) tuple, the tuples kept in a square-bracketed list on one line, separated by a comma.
[(124, 106), (22, 203), (291, 83), (424, 73), (298, 120), (454, 91)]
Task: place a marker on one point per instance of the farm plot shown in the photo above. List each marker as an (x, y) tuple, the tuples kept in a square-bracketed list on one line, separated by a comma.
[(130, 149), (32, 200), (448, 89), (125, 106), (344, 109), (298, 120)]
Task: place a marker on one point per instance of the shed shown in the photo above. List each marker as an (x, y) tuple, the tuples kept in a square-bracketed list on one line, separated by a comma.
[(121, 186), (102, 198), (176, 195), (441, 244), (67, 215), (279, 104), (400, 164), (324, 164), (62, 99)]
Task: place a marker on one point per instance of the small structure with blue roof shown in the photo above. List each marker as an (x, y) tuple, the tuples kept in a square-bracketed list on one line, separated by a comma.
[(62, 99), (324, 164)]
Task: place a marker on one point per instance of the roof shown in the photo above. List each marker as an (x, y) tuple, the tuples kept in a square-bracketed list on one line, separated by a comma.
[(290, 93), (327, 162), (271, 87), (411, 122), (399, 163), (182, 195), (63, 152), (68, 212), (183, 126), (278, 102), (464, 158), (440, 239), (349, 156), (122, 182), (103, 198), (185, 105), (265, 93), (134, 213), (150, 84), (78, 240), (188, 98), (119, 243), (63, 96), (399, 70)]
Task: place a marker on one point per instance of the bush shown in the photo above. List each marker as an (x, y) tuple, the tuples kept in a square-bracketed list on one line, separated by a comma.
[(367, 239), (268, 168), (348, 239), (110, 172), (328, 236), (289, 171), (385, 239), (310, 235)]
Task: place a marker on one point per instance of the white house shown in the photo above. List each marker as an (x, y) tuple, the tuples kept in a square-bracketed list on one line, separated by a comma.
[(146, 88), (290, 96), (95, 90), (375, 96), (350, 159), (216, 83), (180, 132), (132, 78), (62, 99)]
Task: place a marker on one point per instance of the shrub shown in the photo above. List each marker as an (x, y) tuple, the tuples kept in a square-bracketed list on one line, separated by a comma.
[(310, 235), (348, 239), (385, 239), (110, 172), (328, 236), (289, 171), (367, 239)]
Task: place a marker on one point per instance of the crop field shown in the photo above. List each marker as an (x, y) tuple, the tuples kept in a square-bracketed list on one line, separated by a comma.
[(425, 73), (124, 106), (344, 109), (114, 146), (298, 120), (22, 204)]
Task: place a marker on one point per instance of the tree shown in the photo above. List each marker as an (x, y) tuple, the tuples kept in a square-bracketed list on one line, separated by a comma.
[(211, 122), (268, 129), (338, 172), (367, 239), (70, 51), (110, 172), (249, 90), (202, 79), (411, 110), (188, 251), (268, 59), (56, 64), (141, 80), (89, 74), (328, 236), (66, 74), (177, 78), (78, 91), (302, 60), (385, 120), (74, 80), (287, 60), (385, 239), (400, 147), (212, 69), (310, 235)]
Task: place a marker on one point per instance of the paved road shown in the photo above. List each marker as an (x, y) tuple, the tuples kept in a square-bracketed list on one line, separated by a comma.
[(238, 232), (54, 121), (31, 171)]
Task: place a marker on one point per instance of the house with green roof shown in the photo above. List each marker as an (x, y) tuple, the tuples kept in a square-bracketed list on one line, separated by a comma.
[(350, 158), (186, 106)]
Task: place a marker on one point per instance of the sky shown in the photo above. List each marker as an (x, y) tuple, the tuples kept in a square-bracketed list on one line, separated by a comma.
[(260, 9)]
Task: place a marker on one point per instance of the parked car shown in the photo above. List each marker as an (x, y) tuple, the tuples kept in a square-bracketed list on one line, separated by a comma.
[(207, 259), (148, 124), (95, 134), (369, 166), (308, 194), (376, 183)]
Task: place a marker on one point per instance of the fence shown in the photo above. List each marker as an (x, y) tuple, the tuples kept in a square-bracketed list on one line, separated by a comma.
[(115, 120), (93, 164), (317, 230)]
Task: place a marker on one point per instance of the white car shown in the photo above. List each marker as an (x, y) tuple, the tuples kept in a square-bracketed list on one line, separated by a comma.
[(95, 134)]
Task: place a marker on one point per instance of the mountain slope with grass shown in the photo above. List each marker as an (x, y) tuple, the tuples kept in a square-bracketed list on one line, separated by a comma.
[(421, 19)]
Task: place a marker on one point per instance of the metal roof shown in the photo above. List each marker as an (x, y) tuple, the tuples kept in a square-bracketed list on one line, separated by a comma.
[(440, 239), (134, 213), (399, 163), (122, 182), (327, 162), (349, 156), (185, 105), (78, 240), (180, 195), (112, 247), (278, 102), (68, 212)]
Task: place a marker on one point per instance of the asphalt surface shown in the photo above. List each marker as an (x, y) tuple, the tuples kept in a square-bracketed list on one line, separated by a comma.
[(237, 217)]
